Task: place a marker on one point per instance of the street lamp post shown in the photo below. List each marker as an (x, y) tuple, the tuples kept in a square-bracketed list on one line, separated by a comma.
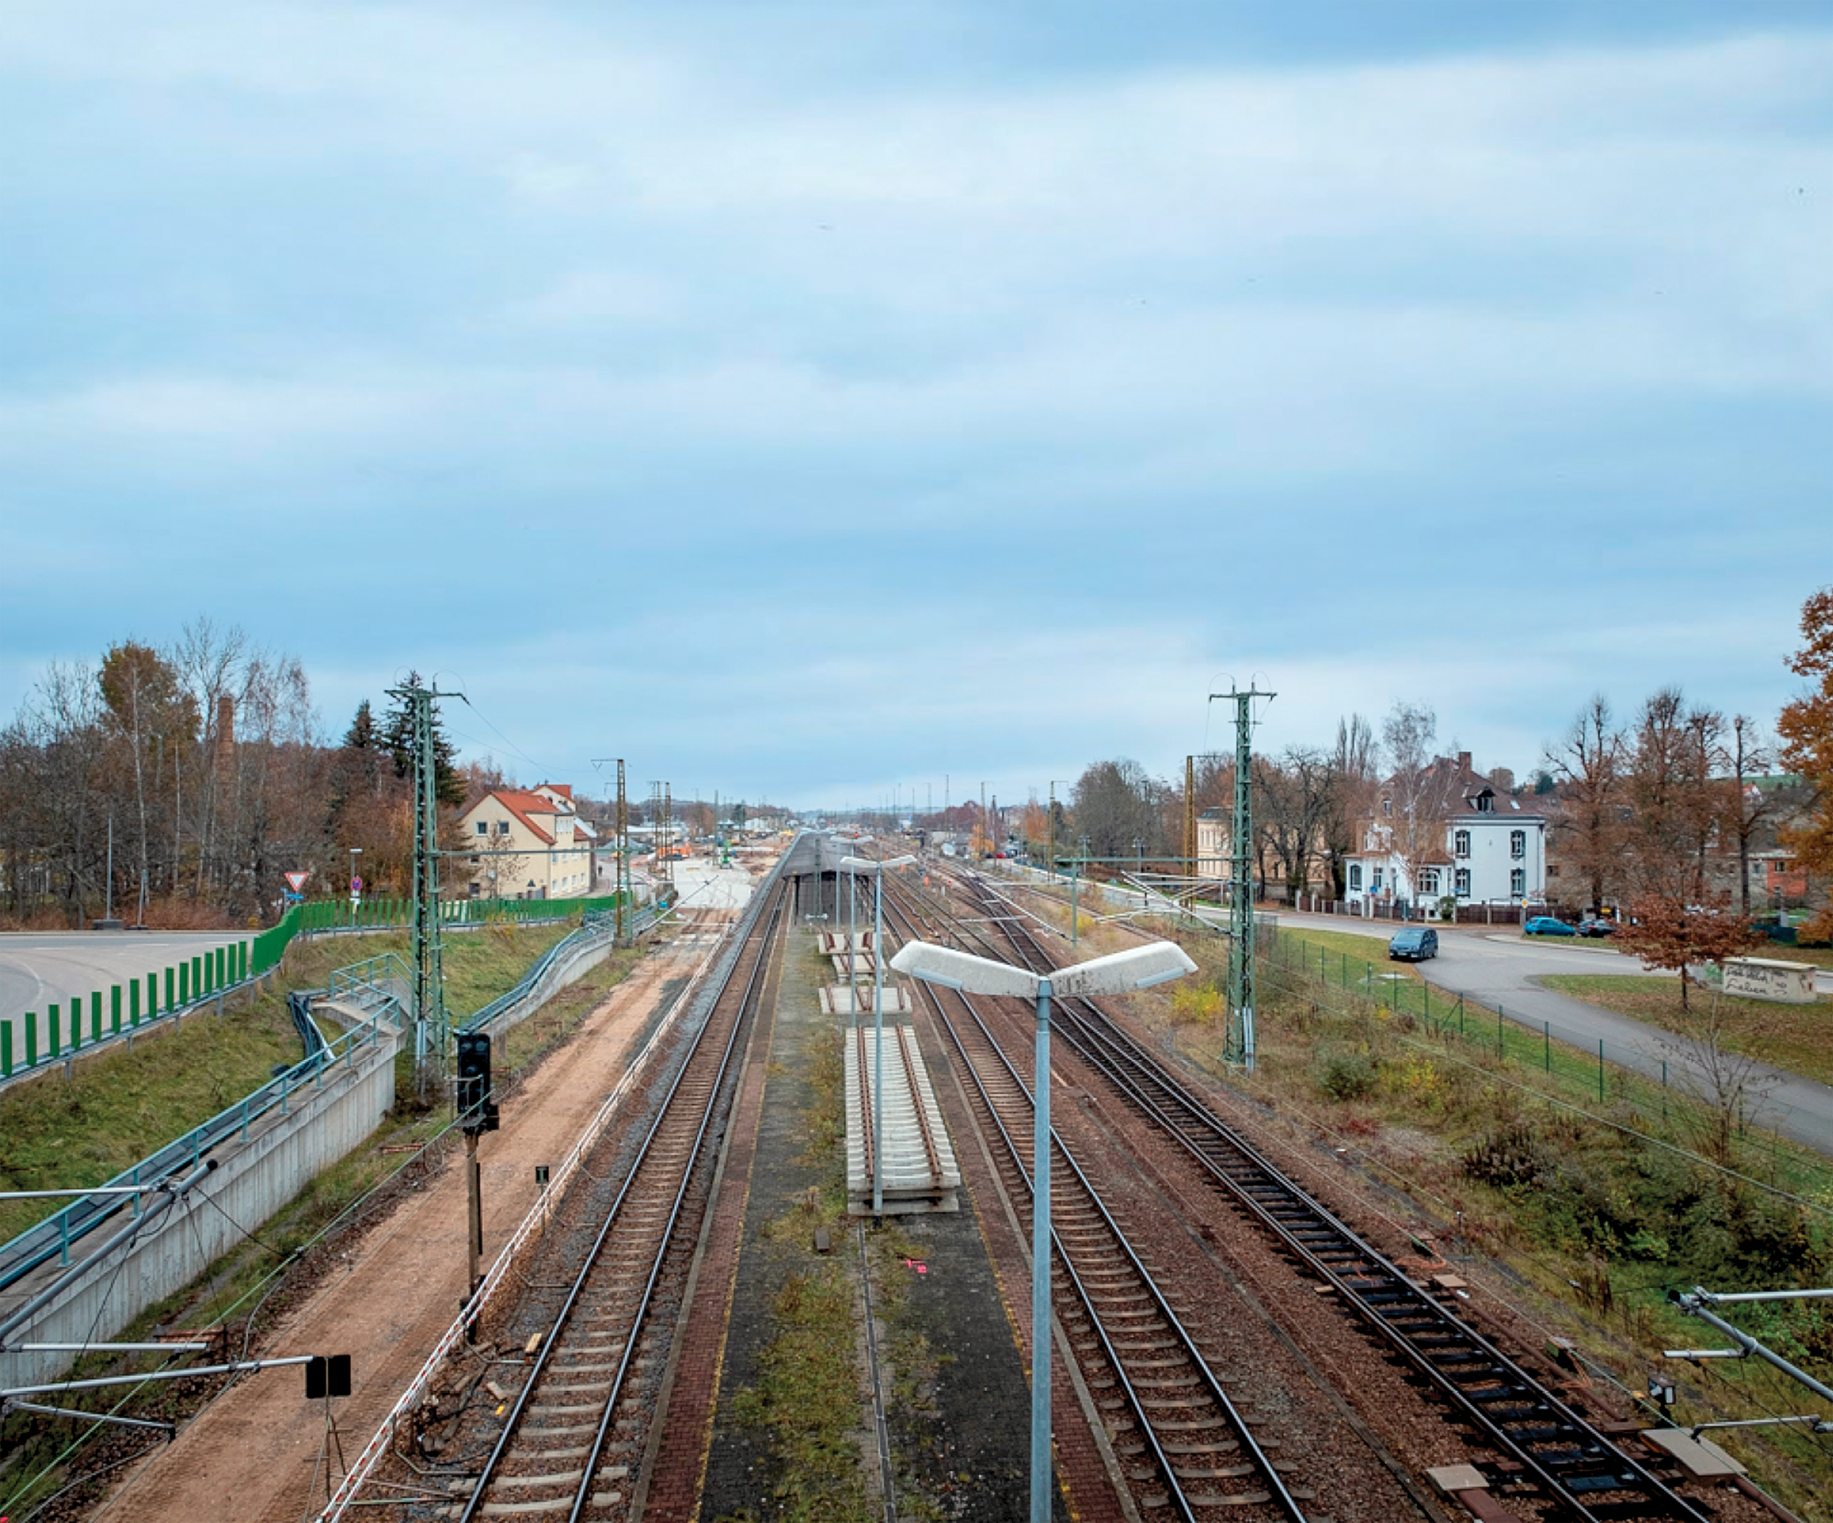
[(877, 870), (1117, 973)]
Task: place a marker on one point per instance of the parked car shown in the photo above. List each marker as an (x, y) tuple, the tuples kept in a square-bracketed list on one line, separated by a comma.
[(1414, 944), (1597, 925), (1548, 925)]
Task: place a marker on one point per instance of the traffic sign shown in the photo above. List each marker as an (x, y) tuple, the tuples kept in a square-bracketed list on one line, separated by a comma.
[(296, 881), (356, 885)]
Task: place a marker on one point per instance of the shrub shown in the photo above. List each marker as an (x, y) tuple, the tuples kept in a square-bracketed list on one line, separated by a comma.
[(1348, 1075)]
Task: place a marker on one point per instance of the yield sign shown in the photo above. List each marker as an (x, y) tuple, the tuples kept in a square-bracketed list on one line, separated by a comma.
[(296, 881)]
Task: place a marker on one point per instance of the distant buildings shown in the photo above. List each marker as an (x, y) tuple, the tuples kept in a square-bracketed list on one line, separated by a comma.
[(529, 843)]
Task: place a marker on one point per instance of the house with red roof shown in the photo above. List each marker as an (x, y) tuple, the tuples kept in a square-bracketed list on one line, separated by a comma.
[(529, 843)]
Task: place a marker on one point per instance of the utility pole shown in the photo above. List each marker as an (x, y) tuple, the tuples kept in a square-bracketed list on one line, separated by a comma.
[(621, 838), (1239, 1045), (668, 829), (1190, 817), (430, 1028)]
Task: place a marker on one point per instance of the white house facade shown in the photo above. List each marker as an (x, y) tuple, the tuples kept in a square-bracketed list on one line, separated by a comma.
[(1493, 851)]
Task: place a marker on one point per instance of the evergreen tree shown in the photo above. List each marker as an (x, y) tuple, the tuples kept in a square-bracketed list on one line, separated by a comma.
[(398, 737), (361, 735)]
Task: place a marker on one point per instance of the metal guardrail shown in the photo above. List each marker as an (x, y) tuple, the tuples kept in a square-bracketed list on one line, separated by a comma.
[(53, 1237), (598, 928), (363, 985)]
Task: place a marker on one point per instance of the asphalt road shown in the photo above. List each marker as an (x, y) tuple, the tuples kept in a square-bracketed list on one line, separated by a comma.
[(1499, 967), (39, 969)]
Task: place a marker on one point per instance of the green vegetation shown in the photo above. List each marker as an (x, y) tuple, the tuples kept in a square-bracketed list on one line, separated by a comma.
[(121, 1103), (1594, 1200), (1790, 1036), (259, 1278)]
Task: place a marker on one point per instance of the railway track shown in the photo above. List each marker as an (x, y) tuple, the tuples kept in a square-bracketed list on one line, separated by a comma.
[(1186, 1451), (575, 1430), (1552, 1458)]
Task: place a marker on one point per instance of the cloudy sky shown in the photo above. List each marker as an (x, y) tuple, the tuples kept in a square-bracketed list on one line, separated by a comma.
[(804, 400)]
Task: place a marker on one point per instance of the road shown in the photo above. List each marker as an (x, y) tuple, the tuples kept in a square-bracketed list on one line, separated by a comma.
[(42, 968), (1500, 968)]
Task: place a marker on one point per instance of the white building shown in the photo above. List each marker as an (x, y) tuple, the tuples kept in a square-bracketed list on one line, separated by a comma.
[(1482, 847)]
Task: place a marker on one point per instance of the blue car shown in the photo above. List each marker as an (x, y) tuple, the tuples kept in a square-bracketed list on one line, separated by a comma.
[(1547, 925)]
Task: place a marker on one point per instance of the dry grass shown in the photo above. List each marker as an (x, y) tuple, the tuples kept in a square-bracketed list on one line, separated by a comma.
[(1793, 1037)]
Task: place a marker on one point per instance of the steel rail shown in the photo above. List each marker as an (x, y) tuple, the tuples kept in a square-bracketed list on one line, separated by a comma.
[(1570, 1468), (760, 931), (1277, 1491)]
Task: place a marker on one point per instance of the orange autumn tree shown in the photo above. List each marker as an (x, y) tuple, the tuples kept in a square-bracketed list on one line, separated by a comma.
[(1666, 932), (1806, 730)]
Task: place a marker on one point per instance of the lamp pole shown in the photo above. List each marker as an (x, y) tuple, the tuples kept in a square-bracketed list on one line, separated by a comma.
[(877, 870), (1119, 972)]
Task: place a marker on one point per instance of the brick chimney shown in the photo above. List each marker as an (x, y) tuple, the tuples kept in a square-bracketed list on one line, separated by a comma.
[(225, 728), (1463, 761)]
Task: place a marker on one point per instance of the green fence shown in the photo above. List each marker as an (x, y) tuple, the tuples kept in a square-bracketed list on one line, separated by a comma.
[(69, 1027), (1638, 1084)]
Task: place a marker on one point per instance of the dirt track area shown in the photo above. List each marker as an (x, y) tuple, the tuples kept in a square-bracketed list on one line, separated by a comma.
[(257, 1452)]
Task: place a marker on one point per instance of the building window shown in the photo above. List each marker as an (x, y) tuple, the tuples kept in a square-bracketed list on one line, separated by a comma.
[(482, 828), (1460, 843), (1374, 881), (1461, 883), (1428, 880), (1387, 806), (1517, 844), (1355, 877), (1517, 882), (502, 827)]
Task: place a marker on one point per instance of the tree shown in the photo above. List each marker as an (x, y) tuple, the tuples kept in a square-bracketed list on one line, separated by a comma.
[(1414, 809), (398, 738), (1665, 932), (1806, 730), (1673, 800), (1349, 793), (147, 711), (1116, 802), (1293, 799), (1746, 808), (1588, 762)]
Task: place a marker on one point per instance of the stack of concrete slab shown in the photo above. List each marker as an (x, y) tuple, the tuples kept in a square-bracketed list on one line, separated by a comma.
[(920, 1172), (838, 999)]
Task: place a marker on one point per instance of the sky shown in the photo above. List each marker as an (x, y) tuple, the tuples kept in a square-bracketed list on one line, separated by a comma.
[(815, 401)]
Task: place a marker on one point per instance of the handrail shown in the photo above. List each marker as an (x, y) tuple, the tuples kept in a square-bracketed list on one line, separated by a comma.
[(52, 1237)]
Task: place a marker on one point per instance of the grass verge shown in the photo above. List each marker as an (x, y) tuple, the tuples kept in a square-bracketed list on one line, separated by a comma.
[(278, 1266), (127, 1100), (1583, 1207), (1793, 1037)]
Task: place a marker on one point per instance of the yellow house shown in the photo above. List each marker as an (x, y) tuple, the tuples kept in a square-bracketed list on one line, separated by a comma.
[(529, 844)]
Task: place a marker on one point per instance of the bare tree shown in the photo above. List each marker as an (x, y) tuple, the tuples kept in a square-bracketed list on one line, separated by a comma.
[(1349, 793), (1673, 801), (1293, 801), (1747, 808), (1413, 812), (1587, 761)]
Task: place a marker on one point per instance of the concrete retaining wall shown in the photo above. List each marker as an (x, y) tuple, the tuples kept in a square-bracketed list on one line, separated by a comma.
[(253, 1180)]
